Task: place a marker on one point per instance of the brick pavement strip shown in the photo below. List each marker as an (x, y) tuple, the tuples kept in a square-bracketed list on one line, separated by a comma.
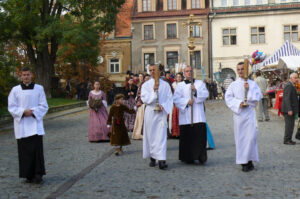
[(68, 154)]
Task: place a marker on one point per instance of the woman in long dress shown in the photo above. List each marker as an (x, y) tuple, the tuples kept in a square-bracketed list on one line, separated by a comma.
[(139, 120), (174, 117), (97, 130), (130, 94)]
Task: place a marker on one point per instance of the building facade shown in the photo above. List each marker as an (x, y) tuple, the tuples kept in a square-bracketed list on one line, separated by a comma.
[(239, 27), (115, 55), (158, 35)]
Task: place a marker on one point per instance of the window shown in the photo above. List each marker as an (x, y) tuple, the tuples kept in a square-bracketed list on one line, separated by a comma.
[(257, 35), (224, 3), (196, 59), (171, 31), (148, 32), (146, 5), (259, 2), (196, 31), (229, 36), (183, 4), (247, 2), (235, 2), (114, 66), (148, 59), (195, 4), (172, 59), (291, 32), (172, 4)]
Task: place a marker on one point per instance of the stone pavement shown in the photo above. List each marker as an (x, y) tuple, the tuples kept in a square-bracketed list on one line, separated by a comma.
[(95, 173)]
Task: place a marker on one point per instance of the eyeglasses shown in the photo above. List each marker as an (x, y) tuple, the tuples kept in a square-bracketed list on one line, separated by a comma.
[(151, 70)]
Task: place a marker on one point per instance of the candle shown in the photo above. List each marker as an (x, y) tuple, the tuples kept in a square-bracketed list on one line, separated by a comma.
[(246, 68), (156, 75)]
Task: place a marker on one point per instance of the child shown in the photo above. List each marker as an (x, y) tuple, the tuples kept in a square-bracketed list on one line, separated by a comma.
[(119, 134)]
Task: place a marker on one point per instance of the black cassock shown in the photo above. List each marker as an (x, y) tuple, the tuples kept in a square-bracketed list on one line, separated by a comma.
[(31, 156), (192, 142)]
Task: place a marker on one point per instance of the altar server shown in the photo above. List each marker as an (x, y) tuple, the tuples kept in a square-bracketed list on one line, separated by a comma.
[(244, 119), (28, 105), (193, 137), (155, 122)]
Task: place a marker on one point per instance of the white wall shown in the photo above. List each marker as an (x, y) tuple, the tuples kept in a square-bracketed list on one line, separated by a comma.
[(230, 3), (228, 56)]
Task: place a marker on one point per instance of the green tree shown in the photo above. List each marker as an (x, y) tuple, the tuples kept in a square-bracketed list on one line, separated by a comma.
[(47, 27), (8, 64)]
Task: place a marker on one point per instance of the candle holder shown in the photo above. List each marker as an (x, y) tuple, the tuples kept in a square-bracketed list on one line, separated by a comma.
[(246, 74), (156, 78)]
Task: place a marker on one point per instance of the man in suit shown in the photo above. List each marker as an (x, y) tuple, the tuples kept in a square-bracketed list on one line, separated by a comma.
[(290, 108)]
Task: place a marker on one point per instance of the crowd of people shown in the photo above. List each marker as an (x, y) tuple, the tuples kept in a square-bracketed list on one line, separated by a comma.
[(152, 108)]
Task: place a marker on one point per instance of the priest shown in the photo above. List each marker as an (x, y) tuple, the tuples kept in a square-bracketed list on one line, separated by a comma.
[(193, 138), (244, 119), (155, 122), (28, 105)]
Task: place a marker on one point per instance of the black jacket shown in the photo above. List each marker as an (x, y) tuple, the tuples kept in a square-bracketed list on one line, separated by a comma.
[(290, 99)]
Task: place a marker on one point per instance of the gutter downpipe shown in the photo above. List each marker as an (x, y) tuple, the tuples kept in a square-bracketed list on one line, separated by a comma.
[(211, 40)]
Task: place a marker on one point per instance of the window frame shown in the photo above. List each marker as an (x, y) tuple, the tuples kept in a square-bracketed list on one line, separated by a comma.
[(145, 65), (229, 35), (173, 4), (200, 59), (170, 51), (110, 62), (153, 31), (176, 30), (291, 32), (257, 34), (197, 4), (224, 3), (200, 29), (235, 2), (147, 6)]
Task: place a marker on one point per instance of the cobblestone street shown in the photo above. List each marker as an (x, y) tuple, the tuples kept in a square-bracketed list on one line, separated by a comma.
[(68, 153)]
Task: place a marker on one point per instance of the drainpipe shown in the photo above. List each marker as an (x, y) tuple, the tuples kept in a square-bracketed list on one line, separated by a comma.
[(211, 40)]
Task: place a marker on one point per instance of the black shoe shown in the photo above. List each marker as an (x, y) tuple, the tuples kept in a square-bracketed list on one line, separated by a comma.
[(290, 142), (162, 164), (38, 179), (152, 162), (267, 120), (250, 166), (245, 168)]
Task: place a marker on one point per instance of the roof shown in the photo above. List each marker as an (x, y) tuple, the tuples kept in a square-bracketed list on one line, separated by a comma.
[(123, 22)]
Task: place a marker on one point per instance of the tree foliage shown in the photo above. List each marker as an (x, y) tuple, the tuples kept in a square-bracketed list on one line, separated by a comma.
[(46, 27), (8, 66)]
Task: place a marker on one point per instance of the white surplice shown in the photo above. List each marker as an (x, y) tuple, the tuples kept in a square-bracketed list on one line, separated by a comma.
[(33, 99), (245, 131), (181, 98), (155, 122)]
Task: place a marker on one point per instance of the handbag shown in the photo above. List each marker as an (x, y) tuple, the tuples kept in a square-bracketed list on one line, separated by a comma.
[(297, 136)]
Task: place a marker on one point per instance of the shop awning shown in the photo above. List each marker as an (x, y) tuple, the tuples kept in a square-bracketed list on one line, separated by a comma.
[(286, 50)]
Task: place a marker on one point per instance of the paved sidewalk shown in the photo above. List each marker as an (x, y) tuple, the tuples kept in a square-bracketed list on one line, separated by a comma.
[(68, 153), (49, 116)]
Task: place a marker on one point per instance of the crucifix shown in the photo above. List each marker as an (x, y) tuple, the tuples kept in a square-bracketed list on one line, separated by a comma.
[(190, 24)]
